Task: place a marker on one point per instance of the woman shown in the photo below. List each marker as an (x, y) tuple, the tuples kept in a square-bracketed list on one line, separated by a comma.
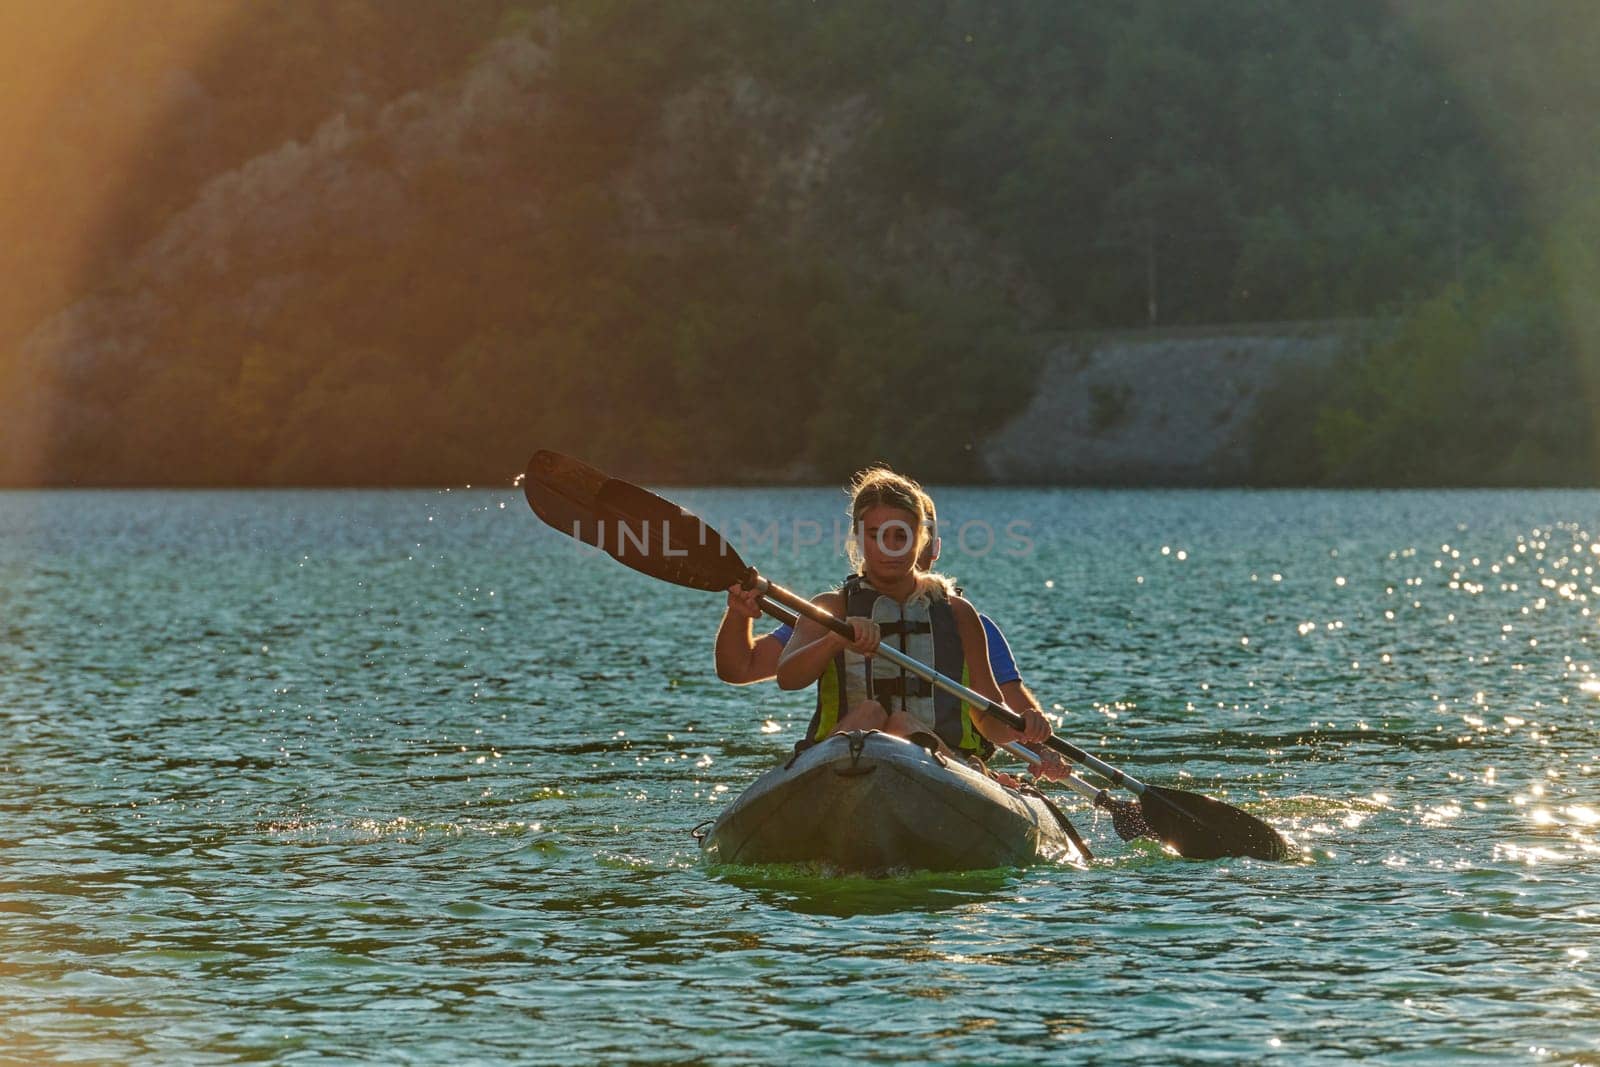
[(744, 659), (893, 597)]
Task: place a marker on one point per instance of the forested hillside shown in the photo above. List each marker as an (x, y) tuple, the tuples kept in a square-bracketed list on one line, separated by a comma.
[(399, 242)]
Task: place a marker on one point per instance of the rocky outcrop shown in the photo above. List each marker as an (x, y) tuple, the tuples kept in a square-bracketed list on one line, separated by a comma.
[(1156, 407)]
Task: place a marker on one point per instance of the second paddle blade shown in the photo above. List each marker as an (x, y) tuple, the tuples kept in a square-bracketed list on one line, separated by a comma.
[(1205, 829)]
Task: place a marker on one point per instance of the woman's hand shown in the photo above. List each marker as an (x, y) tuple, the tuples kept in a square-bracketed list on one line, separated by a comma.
[(1051, 767), (868, 634), (745, 602), (1035, 727)]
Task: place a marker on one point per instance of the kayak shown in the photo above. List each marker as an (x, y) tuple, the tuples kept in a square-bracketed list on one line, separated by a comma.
[(874, 802)]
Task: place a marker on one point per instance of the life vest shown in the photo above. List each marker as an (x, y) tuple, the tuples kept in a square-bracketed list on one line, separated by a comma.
[(924, 628)]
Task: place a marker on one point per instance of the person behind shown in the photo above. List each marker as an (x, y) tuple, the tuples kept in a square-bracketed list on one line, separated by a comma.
[(892, 595)]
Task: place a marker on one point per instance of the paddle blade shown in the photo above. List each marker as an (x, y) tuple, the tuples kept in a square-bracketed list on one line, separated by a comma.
[(657, 537), (1126, 818), (561, 491), (631, 525), (1205, 829)]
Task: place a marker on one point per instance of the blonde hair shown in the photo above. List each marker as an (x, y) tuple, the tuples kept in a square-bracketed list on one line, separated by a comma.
[(880, 486)]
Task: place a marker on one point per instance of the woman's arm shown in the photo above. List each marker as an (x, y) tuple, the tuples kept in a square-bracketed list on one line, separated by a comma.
[(764, 658), (1020, 698), (812, 647), (741, 660), (980, 676)]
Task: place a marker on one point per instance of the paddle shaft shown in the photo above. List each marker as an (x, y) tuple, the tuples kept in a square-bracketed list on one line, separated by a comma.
[(949, 685), (1017, 749)]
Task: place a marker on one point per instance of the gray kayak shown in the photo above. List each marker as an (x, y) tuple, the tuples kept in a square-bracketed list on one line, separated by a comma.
[(874, 802)]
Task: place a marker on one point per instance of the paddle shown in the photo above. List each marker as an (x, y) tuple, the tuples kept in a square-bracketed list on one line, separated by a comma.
[(659, 538)]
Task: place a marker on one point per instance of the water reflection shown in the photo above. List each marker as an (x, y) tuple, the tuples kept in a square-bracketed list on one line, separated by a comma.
[(816, 890)]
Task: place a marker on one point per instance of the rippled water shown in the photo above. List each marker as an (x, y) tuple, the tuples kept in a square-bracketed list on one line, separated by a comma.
[(406, 777)]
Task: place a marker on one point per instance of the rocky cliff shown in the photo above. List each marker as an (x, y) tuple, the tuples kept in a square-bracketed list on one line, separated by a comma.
[(1157, 407)]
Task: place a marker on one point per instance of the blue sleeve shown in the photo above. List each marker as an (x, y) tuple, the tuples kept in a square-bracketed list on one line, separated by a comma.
[(1005, 667), (783, 633)]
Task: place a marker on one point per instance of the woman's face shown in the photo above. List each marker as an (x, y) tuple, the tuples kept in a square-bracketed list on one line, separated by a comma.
[(889, 538)]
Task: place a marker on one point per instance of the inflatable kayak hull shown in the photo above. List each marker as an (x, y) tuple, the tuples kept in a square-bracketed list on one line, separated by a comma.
[(874, 802)]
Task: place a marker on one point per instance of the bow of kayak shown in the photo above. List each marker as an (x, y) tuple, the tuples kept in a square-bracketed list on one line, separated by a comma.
[(874, 802)]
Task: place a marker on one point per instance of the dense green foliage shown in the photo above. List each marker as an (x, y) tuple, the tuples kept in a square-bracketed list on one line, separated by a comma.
[(1491, 382), (617, 265)]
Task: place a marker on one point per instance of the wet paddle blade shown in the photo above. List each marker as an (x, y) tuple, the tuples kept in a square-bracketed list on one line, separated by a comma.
[(1205, 829), (661, 539)]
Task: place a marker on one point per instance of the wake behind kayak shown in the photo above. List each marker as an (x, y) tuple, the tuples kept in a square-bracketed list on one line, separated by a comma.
[(872, 802)]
